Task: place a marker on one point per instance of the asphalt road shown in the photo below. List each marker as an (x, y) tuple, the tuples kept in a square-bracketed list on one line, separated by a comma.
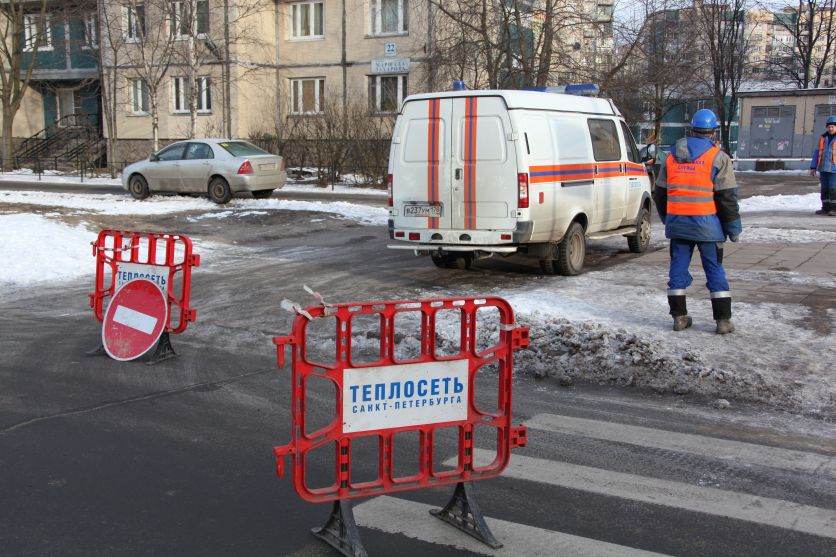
[(99, 457)]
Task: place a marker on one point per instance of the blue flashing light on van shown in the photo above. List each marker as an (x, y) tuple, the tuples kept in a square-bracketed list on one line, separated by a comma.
[(583, 89)]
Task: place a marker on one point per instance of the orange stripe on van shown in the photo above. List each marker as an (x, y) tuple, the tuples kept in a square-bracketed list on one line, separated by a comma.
[(547, 173), (432, 157), (470, 110)]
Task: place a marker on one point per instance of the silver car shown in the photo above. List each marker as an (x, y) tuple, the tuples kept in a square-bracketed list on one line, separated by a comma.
[(219, 167)]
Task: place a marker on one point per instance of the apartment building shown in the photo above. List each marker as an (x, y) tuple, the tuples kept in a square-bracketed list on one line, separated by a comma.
[(60, 47), (171, 69), (771, 45)]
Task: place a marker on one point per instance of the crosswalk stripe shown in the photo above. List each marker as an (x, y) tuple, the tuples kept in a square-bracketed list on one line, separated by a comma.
[(399, 516), (708, 500), (748, 453)]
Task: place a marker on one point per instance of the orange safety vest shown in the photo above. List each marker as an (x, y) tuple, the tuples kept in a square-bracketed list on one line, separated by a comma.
[(690, 189), (821, 151)]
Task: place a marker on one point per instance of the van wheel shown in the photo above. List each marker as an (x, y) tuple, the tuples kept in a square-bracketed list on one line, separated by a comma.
[(572, 251), (460, 261), (548, 266), (639, 242), (219, 191), (439, 260), (138, 187)]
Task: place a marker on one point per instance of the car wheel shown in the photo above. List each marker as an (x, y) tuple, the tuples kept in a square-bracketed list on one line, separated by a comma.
[(219, 191), (439, 260), (638, 243), (572, 251), (138, 187), (262, 194)]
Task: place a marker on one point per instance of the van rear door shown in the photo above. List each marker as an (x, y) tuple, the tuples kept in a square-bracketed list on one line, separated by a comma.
[(484, 192), (421, 171)]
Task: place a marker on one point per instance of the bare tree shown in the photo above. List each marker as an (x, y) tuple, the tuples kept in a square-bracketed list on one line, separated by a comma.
[(672, 51), (722, 26), (22, 33), (111, 45), (203, 43), (812, 26), (146, 51), (510, 43)]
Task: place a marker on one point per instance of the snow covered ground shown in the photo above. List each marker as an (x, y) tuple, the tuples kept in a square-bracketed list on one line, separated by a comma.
[(609, 325)]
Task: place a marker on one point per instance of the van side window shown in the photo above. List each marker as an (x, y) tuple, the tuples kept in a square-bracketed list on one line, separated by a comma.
[(417, 132), (605, 143), (632, 150), (571, 135)]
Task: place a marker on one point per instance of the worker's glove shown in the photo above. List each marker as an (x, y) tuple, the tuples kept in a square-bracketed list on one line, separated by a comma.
[(734, 237)]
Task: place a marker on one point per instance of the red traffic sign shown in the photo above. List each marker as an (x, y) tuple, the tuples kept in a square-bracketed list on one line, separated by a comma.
[(135, 319)]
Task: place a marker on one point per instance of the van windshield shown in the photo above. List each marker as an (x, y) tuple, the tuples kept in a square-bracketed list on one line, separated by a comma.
[(242, 149)]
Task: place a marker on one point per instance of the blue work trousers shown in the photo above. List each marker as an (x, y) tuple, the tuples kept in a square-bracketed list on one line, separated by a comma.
[(712, 264), (828, 190)]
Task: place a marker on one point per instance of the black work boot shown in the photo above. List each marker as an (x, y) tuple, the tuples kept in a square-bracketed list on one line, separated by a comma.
[(721, 307), (679, 311)]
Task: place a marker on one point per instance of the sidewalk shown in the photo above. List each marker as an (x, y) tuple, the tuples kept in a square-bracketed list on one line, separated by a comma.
[(770, 273)]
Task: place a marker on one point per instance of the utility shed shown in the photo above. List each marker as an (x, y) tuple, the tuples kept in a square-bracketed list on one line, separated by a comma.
[(779, 128)]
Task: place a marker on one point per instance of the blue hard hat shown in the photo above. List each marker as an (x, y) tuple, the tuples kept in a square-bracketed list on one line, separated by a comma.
[(831, 120), (704, 120)]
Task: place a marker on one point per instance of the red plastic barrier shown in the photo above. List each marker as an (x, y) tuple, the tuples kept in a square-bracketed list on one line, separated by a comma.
[(165, 259), (385, 398)]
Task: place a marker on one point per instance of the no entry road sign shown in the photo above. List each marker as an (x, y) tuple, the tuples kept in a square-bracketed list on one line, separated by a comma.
[(134, 321)]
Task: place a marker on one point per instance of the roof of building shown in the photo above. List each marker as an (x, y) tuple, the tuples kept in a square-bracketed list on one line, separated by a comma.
[(534, 100), (778, 88)]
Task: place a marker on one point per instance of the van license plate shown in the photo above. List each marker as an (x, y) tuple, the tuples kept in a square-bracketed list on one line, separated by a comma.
[(422, 210)]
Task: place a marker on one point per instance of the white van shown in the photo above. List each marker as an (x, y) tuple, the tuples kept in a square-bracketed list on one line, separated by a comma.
[(477, 173)]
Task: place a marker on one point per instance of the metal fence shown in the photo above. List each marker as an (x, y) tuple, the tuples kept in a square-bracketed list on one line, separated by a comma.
[(45, 167)]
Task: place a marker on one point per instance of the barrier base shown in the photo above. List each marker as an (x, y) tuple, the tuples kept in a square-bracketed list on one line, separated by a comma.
[(164, 351), (464, 513), (340, 532)]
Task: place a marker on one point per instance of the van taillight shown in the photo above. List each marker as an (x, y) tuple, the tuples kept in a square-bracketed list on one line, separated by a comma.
[(245, 168), (283, 166), (522, 185), (389, 187)]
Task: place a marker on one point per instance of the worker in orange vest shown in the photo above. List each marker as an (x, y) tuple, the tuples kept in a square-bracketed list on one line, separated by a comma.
[(696, 197), (824, 160)]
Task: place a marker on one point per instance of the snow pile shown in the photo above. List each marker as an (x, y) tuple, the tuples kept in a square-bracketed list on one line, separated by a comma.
[(40, 250), (160, 205), (806, 203)]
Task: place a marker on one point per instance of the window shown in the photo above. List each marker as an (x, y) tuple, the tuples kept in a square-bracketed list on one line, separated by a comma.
[(91, 30), (386, 92), (36, 30), (306, 20), (181, 94), (197, 151), (605, 146), (242, 149), (389, 16), (632, 149), (181, 20), (135, 22), (307, 95), (172, 152), (202, 18), (139, 96)]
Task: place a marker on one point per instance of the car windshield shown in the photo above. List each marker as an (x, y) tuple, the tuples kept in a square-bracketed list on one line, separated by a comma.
[(242, 149)]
